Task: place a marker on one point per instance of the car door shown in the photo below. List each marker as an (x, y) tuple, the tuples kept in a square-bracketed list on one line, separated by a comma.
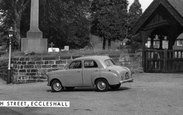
[(90, 69), (74, 74)]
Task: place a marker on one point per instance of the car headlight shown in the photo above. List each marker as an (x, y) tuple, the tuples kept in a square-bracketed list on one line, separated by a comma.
[(122, 77), (127, 75)]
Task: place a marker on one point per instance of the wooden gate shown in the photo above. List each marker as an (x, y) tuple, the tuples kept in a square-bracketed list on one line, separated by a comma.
[(170, 61)]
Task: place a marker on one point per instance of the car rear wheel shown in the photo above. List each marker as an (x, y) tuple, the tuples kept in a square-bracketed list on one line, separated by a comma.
[(69, 88), (114, 87), (102, 85), (56, 86)]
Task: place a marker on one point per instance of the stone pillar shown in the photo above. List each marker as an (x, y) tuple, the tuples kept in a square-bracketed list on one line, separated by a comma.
[(34, 41), (34, 20)]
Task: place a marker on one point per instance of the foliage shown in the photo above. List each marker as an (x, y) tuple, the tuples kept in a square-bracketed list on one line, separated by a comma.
[(109, 19), (66, 22), (12, 14), (63, 22), (70, 53), (134, 44), (135, 12)]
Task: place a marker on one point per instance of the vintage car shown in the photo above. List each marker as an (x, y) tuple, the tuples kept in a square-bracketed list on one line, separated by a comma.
[(99, 71)]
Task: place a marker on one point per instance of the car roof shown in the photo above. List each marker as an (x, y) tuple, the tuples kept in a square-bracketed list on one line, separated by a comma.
[(95, 57)]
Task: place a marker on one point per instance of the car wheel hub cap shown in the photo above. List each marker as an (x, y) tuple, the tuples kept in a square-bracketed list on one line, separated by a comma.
[(101, 85), (57, 86)]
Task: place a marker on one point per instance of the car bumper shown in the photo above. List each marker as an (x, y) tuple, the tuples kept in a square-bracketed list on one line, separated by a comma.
[(127, 81)]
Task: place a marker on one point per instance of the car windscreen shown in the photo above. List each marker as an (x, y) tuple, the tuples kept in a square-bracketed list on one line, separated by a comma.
[(109, 62)]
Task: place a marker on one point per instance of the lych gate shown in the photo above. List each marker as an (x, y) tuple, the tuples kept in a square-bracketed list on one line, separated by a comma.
[(159, 27)]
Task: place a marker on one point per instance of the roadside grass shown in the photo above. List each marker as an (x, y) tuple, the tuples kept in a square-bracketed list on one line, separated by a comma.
[(81, 52)]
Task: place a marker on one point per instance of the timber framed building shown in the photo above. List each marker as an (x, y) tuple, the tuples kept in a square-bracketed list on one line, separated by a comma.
[(161, 28)]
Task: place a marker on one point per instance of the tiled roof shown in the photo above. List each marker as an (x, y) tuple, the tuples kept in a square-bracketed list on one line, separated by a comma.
[(176, 5)]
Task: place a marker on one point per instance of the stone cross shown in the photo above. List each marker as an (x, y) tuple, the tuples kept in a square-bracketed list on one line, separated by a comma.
[(34, 21), (52, 44), (34, 31), (34, 41)]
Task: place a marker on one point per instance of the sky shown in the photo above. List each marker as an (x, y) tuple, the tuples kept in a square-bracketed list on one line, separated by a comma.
[(144, 3)]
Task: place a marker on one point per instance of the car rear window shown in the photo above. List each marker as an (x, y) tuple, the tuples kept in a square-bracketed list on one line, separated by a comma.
[(109, 62), (90, 64)]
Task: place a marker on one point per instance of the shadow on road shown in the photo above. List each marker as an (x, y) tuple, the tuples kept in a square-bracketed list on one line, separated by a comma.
[(121, 89), (90, 89)]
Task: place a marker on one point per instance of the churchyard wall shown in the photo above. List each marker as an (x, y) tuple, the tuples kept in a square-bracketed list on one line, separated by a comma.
[(27, 69), (33, 69)]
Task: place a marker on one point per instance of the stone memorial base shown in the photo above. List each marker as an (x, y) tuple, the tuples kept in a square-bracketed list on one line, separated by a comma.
[(36, 45)]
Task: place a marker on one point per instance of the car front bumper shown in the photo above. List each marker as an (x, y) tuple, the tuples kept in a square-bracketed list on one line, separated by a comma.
[(127, 81)]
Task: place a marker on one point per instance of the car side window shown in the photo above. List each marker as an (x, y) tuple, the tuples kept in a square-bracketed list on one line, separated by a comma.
[(90, 64), (75, 65)]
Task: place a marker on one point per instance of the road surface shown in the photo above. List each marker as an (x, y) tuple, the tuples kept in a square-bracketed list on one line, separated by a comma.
[(149, 94)]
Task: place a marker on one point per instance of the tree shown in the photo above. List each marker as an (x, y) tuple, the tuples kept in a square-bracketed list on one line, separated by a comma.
[(63, 22), (109, 19), (134, 14), (13, 11)]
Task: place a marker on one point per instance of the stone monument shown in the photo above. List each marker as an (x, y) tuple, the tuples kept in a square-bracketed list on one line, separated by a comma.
[(34, 41)]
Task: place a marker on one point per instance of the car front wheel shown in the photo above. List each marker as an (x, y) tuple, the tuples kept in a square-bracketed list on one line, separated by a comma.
[(102, 85), (56, 86)]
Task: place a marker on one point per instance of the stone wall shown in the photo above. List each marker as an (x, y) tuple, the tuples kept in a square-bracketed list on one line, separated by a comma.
[(32, 69), (4, 69), (132, 61), (29, 69)]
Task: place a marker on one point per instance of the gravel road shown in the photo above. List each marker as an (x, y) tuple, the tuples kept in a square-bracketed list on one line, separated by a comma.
[(149, 94)]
